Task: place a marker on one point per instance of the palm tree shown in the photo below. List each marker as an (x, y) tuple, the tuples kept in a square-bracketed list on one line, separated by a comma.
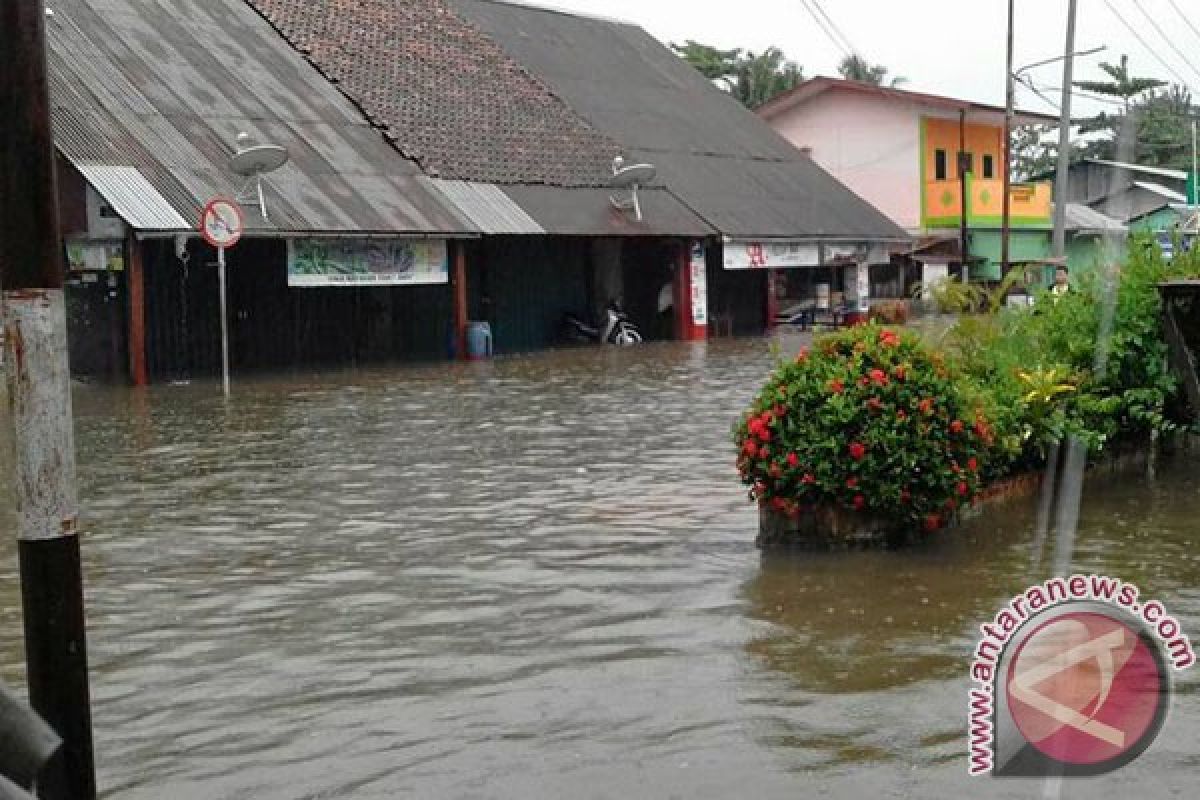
[(759, 78), (855, 68), (1123, 85)]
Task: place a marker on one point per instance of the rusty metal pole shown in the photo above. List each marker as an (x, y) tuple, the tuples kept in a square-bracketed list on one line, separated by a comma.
[(31, 278)]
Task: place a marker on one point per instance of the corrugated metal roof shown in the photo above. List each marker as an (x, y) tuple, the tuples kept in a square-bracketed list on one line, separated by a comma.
[(1162, 191), (1082, 219), (134, 198), (486, 206), (590, 212), (720, 159), (164, 89)]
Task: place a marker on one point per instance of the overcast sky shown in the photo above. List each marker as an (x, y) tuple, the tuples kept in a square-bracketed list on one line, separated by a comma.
[(952, 47)]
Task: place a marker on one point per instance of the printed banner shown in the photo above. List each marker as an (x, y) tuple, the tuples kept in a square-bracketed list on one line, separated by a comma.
[(699, 284), (367, 262), (95, 256), (771, 255)]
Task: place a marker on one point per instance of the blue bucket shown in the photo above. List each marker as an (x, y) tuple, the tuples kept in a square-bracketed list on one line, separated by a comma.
[(479, 340)]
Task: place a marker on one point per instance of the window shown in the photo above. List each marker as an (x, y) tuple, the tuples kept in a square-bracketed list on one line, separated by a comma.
[(966, 164), (939, 165), (989, 167)]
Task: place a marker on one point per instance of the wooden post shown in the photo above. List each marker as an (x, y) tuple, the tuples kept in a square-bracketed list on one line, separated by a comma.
[(460, 299), (772, 299), (964, 199), (135, 285), (39, 384), (1009, 100)]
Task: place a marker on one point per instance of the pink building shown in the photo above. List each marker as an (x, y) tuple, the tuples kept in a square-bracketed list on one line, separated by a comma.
[(921, 159)]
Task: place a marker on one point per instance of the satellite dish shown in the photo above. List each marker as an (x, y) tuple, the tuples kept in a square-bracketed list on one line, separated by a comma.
[(637, 175), (253, 160), (632, 178)]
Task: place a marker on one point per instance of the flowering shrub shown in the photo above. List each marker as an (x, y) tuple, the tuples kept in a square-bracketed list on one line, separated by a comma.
[(870, 421)]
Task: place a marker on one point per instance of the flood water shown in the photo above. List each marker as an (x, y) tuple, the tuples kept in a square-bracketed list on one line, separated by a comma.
[(536, 578)]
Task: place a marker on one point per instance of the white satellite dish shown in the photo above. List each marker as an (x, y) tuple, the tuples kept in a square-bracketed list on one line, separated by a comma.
[(632, 178), (252, 161)]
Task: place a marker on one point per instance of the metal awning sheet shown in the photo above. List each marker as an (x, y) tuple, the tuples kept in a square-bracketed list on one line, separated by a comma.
[(590, 212), (486, 206), (133, 198)]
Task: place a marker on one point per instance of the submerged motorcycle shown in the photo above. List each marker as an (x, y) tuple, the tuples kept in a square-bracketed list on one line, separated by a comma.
[(618, 328)]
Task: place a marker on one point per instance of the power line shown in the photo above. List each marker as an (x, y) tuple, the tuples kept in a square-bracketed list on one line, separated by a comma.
[(849, 44), (1183, 16), (1165, 38), (1145, 45), (821, 24)]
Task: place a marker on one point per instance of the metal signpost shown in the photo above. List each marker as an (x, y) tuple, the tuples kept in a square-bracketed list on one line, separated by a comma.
[(221, 225)]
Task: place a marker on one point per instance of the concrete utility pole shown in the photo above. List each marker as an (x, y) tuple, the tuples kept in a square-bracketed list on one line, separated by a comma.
[(31, 277), (1062, 174), (1009, 101)]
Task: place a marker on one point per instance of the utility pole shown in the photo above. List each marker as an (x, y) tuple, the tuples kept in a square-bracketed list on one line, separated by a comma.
[(1009, 89), (31, 279), (1062, 174)]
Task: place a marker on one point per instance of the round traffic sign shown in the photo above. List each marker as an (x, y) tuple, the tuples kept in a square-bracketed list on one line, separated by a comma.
[(222, 223)]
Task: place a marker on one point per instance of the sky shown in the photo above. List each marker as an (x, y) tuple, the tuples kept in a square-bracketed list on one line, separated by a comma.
[(951, 47)]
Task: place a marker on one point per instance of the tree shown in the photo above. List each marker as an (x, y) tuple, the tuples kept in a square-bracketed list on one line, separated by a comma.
[(1034, 150), (713, 63), (751, 79), (1123, 85), (759, 78), (855, 68)]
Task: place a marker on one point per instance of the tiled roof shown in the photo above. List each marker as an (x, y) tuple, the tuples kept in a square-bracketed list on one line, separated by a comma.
[(447, 95)]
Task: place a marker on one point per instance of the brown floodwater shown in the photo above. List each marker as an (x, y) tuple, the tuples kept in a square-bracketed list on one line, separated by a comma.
[(536, 578)]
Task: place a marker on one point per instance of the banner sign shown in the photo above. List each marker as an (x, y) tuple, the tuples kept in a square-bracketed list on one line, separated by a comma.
[(771, 255), (367, 262), (698, 284), (83, 256)]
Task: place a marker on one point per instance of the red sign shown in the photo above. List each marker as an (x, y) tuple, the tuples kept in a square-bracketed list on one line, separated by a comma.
[(222, 223)]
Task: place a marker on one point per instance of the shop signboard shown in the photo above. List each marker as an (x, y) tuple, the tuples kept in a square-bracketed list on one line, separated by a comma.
[(87, 256), (771, 255), (367, 262)]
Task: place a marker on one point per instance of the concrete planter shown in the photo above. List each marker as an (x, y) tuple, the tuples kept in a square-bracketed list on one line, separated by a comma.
[(836, 527)]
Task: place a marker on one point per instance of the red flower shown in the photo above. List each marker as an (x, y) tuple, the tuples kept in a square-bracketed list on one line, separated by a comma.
[(864, 381), (780, 411), (793, 460), (926, 405), (857, 451), (963, 488), (802, 356), (808, 478), (874, 404), (957, 426), (778, 503), (764, 433), (900, 372), (859, 501), (775, 471), (888, 338), (836, 386), (750, 448), (764, 452), (878, 377), (973, 464), (852, 482), (933, 522)]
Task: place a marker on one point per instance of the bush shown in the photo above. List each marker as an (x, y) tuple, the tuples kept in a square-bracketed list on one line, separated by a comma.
[(890, 312), (871, 421)]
